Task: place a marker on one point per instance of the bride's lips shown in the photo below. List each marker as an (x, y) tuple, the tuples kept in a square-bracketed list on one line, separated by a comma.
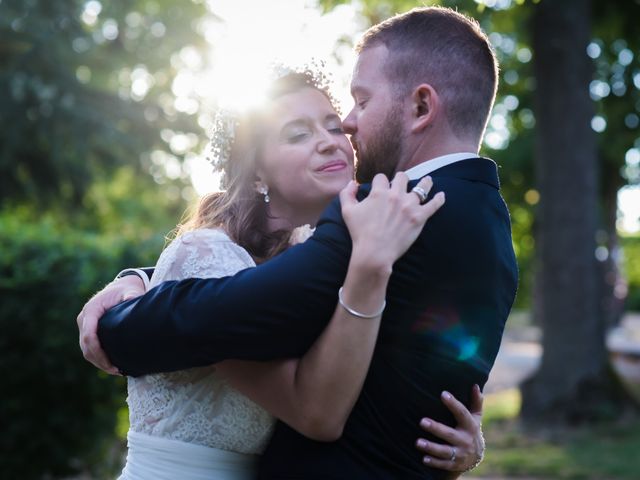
[(332, 166)]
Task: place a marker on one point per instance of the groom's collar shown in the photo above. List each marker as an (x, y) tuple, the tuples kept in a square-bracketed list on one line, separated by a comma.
[(466, 166), (428, 166)]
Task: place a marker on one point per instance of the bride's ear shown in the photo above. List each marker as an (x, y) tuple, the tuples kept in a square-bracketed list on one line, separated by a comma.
[(426, 104), (263, 189), (259, 185)]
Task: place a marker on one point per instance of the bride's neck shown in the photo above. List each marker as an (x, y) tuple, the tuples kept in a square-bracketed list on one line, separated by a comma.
[(285, 218)]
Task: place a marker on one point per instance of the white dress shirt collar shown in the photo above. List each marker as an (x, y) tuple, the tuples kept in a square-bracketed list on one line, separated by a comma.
[(428, 166)]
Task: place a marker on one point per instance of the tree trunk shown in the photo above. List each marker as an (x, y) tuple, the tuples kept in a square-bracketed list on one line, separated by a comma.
[(573, 382), (613, 284)]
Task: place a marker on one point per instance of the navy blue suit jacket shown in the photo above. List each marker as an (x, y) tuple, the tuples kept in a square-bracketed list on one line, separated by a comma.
[(447, 302)]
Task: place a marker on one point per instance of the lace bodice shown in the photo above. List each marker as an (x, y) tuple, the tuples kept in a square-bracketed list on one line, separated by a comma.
[(195, 405)]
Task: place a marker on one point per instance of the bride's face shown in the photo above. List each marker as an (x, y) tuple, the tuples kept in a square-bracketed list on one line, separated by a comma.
[(306, 158)]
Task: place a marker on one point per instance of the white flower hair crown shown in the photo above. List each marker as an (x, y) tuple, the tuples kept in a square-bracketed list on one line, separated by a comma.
[(223, 134)]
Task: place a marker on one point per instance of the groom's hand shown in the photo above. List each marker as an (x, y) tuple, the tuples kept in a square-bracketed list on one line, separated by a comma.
[(116, 292)]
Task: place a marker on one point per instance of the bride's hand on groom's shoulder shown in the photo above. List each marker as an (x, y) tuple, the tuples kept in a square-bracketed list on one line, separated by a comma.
[(387, 222), (116, 292)]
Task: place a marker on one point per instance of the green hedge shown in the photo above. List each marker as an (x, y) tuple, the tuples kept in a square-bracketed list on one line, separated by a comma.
[(57, 412), (631, 268)]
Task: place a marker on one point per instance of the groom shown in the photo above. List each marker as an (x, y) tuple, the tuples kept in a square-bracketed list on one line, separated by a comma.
[(424, 85)]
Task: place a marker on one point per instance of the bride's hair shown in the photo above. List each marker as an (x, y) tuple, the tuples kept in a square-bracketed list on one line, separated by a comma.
[(239, 210)]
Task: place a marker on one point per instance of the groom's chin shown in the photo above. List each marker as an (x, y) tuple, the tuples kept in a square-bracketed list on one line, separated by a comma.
[(362, 177), (365, 171)]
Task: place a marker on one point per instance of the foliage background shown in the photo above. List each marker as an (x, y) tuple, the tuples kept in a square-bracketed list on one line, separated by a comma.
[(95, 163)]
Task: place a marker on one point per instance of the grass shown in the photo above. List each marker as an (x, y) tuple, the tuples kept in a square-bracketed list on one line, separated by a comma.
[(607, 451)]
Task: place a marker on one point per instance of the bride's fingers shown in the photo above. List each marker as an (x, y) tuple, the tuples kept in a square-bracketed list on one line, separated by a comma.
[(433, 205), (463, 416), (379, 182), (440, 430), (400, 181), (439, 463), (348, 194), (435, 450), (476, 401), (425, 183)]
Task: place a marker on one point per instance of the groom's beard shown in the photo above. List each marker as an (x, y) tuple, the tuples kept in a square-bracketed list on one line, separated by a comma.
[(384, 152)]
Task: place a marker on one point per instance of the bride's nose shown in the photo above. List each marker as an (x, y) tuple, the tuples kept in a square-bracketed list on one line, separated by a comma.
[(327, 141)]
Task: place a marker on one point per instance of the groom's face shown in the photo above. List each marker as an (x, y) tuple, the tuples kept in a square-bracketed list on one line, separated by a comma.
[(375, 123)]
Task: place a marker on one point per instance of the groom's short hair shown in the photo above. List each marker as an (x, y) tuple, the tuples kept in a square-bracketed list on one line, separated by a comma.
[(447, 50)]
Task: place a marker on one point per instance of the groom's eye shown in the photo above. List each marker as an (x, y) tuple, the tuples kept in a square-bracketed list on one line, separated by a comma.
[(361, 102)]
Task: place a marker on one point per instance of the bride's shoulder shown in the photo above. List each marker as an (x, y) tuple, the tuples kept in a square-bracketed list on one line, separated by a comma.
[(213, 240), (201, 253), (205, 235)]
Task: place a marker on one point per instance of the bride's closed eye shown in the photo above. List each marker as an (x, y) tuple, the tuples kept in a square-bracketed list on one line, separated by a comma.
[(335, 126), (297, 137), (296, 134)]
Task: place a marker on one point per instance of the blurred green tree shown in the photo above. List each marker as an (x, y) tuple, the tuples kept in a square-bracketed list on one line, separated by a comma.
[(58, 413), (95, 134), (89, 90)]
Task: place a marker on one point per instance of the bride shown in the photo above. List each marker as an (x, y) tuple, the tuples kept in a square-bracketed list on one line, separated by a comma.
[(283, 164)]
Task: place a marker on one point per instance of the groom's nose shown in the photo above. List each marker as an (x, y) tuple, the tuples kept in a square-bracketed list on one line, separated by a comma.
[(349, 124)]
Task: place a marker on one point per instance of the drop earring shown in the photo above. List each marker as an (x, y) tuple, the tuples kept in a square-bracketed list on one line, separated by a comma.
[(264, 190)]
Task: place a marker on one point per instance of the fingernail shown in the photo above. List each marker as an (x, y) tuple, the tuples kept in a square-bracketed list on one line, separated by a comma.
[(446, 395), (422, 443), (425, 422), (426, 459)]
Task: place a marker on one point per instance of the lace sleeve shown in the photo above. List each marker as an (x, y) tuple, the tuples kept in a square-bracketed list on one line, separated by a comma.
[(195, 405), (203, 253)]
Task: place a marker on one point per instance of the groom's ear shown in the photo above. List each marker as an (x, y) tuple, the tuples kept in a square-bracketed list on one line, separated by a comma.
[(426, 103)]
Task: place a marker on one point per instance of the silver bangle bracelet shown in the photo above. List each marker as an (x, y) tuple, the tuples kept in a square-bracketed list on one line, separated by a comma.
[(355, 313), (138, 273)]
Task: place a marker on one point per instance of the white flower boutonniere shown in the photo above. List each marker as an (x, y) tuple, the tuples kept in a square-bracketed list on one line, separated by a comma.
[(300, 234)]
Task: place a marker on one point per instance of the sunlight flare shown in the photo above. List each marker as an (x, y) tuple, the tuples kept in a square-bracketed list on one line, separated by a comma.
[(246, 38)]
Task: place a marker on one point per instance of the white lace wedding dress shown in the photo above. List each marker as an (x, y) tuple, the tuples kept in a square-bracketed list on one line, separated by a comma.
[(191, 425)]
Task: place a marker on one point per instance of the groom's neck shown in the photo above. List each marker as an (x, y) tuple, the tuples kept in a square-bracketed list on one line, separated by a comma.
[(430, 148)]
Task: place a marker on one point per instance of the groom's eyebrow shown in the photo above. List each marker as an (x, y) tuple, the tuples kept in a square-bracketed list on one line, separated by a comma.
[(358, 89)]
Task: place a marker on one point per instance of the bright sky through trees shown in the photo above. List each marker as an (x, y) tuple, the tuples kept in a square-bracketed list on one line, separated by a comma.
[(246, 36)]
